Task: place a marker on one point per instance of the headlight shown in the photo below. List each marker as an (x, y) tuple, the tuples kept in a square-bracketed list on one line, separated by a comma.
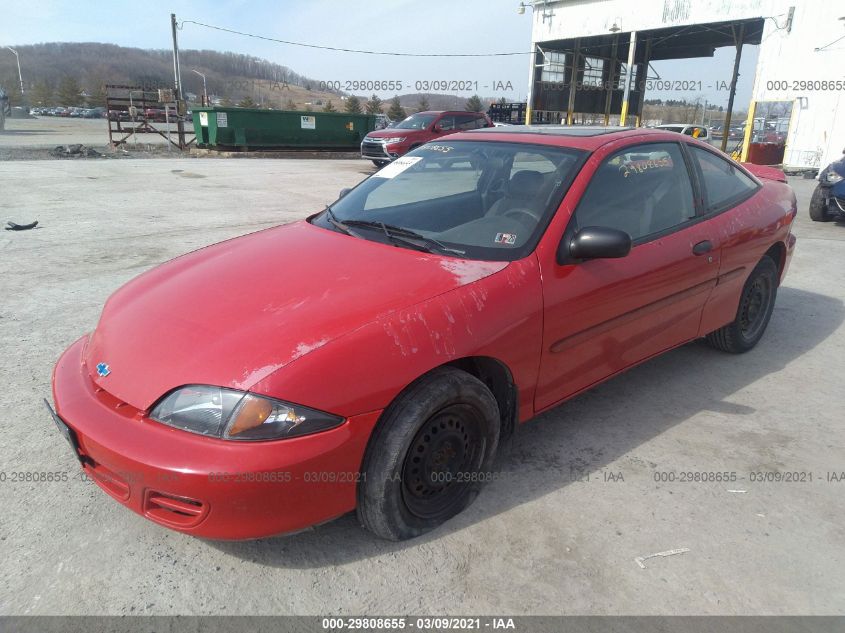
[(392, 139), (235, 415), (832, 177)]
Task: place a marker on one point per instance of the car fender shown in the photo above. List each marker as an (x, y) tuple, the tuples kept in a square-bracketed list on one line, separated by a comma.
[(499, 316)]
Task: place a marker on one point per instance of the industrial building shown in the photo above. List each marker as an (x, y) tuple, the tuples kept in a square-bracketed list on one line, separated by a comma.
[(796, 118)]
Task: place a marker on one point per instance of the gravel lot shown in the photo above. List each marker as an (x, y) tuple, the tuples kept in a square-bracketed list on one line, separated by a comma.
[(49, 131), (557, 534)]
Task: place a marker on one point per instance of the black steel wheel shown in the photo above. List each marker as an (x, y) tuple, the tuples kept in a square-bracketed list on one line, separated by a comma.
[(445, 452), (818, 206), (429, 455), (755, 309)]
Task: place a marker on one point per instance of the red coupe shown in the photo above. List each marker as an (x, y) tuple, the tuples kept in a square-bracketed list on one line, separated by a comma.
[(373, 356)]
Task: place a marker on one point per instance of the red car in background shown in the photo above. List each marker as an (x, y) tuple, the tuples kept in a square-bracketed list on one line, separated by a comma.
[(373, 356), (383, 146)]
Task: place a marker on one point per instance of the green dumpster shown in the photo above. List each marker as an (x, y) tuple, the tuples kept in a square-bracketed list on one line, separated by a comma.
[(253, 129)]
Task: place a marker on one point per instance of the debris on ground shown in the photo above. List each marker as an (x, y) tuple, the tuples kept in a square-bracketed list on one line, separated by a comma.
[(11, 226), (77, 150), (738, 491), (640, 560)]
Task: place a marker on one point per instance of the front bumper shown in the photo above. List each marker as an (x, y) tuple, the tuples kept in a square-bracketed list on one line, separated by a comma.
[(372, 150), (208, 487)]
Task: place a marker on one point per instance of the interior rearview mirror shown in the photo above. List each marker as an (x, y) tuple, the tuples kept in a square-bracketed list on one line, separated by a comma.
[(597, 242)]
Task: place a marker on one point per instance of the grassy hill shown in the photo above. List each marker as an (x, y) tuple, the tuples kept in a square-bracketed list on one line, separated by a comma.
[(71, 73), (54, 71)]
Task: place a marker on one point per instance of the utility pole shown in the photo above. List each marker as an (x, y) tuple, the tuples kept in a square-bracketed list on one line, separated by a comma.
[(632, 51), (204, 87), (734, 76), (20, 77), (177, 81)]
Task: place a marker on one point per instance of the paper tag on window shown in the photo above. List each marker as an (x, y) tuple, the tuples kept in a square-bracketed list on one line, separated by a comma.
[(397, 167)]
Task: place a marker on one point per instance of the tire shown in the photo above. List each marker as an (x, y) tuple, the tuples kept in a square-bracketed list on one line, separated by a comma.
[(410, 482), (818, 206), (755, 309), (380, 163)]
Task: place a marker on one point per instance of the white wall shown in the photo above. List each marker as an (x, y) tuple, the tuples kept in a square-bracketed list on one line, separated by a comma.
[(817, 132)]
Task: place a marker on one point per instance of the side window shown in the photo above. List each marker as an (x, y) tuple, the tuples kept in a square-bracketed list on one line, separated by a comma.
[(641, 190), (446, 123), (466, 121), (724, 184)]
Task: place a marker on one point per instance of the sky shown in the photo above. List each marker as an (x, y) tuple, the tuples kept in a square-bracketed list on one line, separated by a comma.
[(418, 26)]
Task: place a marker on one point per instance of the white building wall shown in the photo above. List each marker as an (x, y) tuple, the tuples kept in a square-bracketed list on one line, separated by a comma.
[(790, 69), (817, 132)]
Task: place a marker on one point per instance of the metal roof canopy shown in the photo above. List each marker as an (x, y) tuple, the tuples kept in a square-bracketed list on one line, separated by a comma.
[(556, 130), (674, 42)]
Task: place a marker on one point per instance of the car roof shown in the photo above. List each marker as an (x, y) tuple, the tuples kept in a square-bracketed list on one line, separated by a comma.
[(577, 136), (448, 112)]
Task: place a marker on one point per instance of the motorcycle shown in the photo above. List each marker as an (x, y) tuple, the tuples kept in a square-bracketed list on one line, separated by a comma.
[(828, 201)]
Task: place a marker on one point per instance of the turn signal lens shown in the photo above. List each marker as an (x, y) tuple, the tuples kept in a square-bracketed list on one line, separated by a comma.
[(253, 412)]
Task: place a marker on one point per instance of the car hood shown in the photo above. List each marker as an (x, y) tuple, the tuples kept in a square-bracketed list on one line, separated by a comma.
[(233, 313), (393, 132)]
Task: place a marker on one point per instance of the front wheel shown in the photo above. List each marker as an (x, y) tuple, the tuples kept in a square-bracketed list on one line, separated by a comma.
[(818, 206), (429, 456), (755, 309)]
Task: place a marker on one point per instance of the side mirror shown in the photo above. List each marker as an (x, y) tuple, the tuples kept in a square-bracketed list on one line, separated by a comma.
[(597, 242), (343, 192)]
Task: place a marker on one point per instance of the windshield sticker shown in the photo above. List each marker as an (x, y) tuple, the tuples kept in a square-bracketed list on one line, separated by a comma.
[(397, 167), (438, 148), (640, 166), (505, 238)]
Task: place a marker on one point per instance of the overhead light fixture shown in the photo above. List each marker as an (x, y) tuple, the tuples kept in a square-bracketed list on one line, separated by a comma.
[(615, 28), (547, 15)]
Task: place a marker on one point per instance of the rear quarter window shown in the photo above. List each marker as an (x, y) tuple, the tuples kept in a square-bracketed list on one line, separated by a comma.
[(724, 184)]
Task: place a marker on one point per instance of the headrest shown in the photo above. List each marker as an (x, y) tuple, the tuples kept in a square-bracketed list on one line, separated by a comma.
[(525, 184)]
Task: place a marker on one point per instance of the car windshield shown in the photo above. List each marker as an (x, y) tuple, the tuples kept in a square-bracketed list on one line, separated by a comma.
[(416, 122), (475, 200)]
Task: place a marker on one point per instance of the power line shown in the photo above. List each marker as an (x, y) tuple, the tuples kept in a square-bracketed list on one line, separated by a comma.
[(352, 50)]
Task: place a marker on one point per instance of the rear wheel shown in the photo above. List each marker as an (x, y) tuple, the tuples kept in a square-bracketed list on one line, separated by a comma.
[(380, 163), (429, 456), (818, 206), (755, 309)]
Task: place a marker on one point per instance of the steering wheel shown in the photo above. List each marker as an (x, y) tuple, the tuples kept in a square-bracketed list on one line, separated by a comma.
[(519, 213)]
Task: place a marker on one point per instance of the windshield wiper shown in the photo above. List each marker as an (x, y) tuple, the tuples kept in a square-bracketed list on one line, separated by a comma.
[(340, 226), (405, 236)]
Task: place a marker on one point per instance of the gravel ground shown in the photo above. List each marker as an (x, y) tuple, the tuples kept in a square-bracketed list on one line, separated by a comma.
[(557, 534)]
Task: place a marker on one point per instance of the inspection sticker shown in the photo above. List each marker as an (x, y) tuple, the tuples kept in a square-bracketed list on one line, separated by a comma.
[(397, 167), (505, 238)]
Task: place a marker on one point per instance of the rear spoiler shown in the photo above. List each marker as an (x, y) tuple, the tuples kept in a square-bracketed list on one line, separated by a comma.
[(762, 171)]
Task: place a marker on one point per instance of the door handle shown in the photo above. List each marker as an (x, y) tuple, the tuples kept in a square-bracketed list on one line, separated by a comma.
[(702, 247)]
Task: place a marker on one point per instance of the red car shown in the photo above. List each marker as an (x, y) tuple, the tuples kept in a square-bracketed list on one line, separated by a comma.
[(384, 146), (373, 356)]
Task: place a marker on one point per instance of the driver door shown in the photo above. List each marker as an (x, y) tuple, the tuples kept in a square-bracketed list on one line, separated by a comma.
[(605, 315)]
